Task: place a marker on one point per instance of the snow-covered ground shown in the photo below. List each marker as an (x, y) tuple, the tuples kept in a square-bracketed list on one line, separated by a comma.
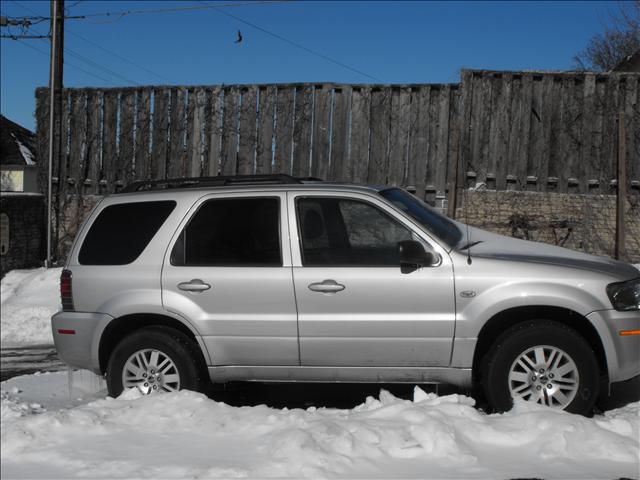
[(62, 425), (47, 433), (28, 298)]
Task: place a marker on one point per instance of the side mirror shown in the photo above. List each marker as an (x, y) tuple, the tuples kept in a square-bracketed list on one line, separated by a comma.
[(413, 256)]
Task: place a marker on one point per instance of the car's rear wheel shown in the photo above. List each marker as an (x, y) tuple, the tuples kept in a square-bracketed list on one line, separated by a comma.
[(154, 360), (543, 362)]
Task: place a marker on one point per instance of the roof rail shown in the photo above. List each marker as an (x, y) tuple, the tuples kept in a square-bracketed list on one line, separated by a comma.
[(219, 181)]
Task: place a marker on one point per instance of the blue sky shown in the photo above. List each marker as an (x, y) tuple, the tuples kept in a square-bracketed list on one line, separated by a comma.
[(394, 42)]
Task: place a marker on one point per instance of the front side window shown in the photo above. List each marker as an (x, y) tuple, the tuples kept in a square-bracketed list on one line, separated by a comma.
[(231, 232), (344, 232)]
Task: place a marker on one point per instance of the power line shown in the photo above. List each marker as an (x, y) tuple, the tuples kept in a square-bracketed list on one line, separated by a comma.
[(67, 63), (131, 62), (291, 42), (88, 61), (125, 13), (124, 59)]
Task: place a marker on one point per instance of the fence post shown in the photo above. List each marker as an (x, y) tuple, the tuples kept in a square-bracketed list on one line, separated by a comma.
[(621, 197)]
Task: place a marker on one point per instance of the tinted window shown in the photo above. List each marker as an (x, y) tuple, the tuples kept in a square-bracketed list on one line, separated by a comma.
[(121, 232), (345, 232), (231, 232)]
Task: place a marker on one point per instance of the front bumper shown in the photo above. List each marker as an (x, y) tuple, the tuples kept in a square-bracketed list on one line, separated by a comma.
[(77, 338), (622, 352)]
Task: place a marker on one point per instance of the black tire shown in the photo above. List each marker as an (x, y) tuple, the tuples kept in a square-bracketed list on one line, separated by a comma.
[(513, 343), (172, 343)]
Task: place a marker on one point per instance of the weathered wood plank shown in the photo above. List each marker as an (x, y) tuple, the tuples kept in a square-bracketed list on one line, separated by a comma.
[(453, 165), (536, 139), (476, 98), (247, 148), (587, 151), (380, 129), (124, 166), (61, 157), (340, 168), (110, 152), (302, 132), (398, 136), (266, 114), (632, 115), (515, 132), (360, 121), (443, 143), (77, 140), (483, 162), (177, 130), (215, 110), (522, 163), (197, 106), (160, 135), (143, 132), (230, 131), (42, 137), (284, 129), (321, 132), (94, 142), (419, 139)]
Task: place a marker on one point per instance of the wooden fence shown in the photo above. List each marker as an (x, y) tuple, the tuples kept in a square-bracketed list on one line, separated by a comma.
[(525, 131)]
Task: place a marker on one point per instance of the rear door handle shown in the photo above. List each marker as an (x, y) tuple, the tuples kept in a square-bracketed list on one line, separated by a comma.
[(195, 285), (328, 286)]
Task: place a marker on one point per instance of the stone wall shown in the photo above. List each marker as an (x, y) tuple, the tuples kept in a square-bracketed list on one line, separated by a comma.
[(26, 231), (580, 222)]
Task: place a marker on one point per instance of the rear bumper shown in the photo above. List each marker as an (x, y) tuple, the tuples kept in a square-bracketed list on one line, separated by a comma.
[(622, 352), (77, 338)]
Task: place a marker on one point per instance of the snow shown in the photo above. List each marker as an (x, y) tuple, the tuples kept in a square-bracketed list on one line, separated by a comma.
[(25, 151), (28, 299), (62, 425), (48, 433)]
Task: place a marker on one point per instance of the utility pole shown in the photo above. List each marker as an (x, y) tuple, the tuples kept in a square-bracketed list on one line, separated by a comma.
[(55, 108)]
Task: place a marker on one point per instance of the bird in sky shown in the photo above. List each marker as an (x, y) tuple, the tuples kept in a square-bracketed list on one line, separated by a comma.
[(239, 37)]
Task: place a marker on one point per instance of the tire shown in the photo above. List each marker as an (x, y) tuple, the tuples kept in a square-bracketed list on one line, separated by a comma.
[(173, 352), (544, 362)]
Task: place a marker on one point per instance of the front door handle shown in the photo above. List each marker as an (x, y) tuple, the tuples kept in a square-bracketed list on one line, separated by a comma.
[(328, 286), (195, 285)]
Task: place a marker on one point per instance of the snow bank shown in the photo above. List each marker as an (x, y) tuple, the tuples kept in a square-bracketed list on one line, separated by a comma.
[(187, 435), (28, 298)]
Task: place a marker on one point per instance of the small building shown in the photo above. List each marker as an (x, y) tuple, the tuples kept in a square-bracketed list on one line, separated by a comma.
[(22, 208), (18, 169)]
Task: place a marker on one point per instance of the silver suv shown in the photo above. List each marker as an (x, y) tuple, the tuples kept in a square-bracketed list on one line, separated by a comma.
[(273, 278)]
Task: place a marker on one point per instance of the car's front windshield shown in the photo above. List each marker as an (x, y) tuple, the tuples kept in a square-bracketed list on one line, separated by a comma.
[(436, 223)]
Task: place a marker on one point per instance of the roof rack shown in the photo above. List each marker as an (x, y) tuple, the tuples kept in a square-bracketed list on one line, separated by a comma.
[(219, 181)]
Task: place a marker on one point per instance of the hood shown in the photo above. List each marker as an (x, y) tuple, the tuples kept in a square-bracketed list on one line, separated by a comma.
[(500, 247)]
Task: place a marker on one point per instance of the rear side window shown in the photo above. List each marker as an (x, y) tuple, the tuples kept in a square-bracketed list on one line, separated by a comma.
[(121, 232), (231, 232)]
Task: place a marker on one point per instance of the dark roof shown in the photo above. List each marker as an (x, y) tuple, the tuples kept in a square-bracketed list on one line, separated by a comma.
[(629, 64), (17, 144)]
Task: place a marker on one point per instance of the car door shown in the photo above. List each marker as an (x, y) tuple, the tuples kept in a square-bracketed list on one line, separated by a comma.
[(355, 306), (228, 271)]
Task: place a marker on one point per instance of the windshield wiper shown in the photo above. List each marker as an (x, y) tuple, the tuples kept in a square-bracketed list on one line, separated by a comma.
[(469, 245)]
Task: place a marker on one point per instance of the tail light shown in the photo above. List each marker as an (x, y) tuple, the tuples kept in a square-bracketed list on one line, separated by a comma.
[(66, 293)]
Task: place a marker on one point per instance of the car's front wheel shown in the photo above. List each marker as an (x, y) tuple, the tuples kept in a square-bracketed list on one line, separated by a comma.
[(154, 360), (543, 362)]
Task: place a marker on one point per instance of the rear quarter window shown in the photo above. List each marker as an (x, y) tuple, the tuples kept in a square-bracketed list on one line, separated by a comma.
[(121, 232)]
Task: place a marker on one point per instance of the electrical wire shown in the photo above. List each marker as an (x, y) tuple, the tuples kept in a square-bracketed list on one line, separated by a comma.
[(291, 42), (67, 63), (117, 55), (125, 13), (84, 59)]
